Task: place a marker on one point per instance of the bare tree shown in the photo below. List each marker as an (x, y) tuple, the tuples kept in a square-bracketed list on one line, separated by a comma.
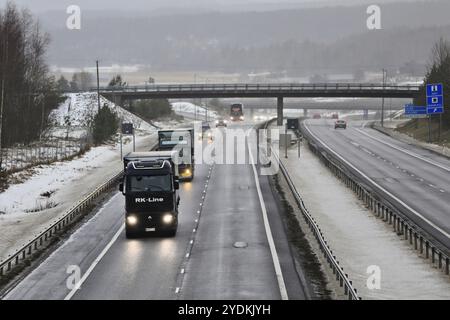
[(28, 92)]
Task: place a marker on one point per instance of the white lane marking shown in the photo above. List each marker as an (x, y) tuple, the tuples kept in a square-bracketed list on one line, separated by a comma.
[(446, 234), (94, 264), (415, 155), (273, 250)]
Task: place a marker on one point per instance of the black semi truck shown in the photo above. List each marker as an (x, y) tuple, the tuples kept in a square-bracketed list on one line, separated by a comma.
[(150, 187), (237, 112), (182, 141)]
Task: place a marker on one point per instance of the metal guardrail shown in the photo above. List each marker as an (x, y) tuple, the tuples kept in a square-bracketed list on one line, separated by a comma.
[(13, 262), (384, 210), (261, 86), (338, 271)]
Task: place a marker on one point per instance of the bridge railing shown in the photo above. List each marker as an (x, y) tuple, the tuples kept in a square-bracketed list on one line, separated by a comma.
[(246, 87)]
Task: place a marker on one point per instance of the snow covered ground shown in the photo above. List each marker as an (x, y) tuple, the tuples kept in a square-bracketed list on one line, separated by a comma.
[(48, 191), (359, 239), (80, 108), (184, 108)]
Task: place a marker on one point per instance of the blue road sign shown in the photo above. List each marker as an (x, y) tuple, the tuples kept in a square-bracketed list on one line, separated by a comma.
[(415, 110), (435, 90), (435, 102), (435, 110), (435, 98)]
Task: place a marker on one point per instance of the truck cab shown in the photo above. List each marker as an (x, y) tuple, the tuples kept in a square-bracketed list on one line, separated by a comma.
[(151, 195), (182, 142)]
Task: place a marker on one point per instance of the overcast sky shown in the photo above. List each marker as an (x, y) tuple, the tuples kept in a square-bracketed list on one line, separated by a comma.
[(50, 5)]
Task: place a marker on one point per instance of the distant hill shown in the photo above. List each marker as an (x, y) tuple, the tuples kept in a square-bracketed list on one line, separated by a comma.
[(331, 37)]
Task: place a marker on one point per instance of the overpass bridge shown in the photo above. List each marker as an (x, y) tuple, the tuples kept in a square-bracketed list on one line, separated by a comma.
[(260, 90)]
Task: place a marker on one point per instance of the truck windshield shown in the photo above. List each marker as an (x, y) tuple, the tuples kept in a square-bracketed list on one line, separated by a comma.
[(150, 183)]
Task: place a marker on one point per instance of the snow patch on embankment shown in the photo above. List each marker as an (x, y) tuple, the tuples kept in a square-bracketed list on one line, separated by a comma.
[(47, 192)]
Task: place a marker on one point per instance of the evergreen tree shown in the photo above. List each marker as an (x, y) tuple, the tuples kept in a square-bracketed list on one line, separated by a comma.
[(104, 125)]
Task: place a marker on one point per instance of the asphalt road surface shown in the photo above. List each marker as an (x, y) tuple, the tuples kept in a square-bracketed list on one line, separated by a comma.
[(219, 211), (417, 179)]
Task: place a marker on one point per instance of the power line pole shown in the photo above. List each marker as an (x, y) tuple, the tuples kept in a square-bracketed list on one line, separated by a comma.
[(98, 88)]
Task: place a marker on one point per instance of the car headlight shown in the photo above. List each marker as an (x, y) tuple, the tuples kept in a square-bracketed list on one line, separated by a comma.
[(241, 117), (132, 220), (167, 218)]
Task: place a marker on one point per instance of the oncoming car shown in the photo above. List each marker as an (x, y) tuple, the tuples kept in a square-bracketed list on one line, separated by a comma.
[(221, 123), (340, 124)]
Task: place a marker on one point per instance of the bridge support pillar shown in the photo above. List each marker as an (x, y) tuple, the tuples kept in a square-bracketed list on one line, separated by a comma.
[(305, 112), (250, 113), (365, 114), (118, 100), (279, 111)]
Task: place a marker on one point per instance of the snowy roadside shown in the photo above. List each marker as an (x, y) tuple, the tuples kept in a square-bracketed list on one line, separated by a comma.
[(48, 191), (31, 206), (359, 239), (390, 127)]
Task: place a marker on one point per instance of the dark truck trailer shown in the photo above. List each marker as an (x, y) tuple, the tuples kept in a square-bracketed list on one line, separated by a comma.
[(151, 198), (237, 112), (182, 141)]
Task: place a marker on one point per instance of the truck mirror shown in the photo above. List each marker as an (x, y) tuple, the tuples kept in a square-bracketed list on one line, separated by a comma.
[(121, 187), (176, 185)]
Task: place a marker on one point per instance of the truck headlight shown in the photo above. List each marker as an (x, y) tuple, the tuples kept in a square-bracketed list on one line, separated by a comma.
[(167, 218), (132, 220), (241, 117)]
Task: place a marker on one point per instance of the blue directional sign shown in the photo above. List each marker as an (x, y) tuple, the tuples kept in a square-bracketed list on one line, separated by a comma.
[(434, 90), (435, 110), (435, 98), (412, 110), (435, 102)]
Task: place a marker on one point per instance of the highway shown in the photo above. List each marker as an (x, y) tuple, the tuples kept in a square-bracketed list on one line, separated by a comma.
[(415, 180), (221, 208)]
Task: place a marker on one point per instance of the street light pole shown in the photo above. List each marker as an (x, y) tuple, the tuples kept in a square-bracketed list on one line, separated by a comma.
[(98, 87), (382, 101)]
